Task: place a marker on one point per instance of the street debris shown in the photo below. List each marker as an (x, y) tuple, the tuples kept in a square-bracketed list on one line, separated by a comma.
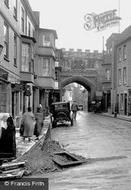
[(12, 170), (44, 159), (65, 159)]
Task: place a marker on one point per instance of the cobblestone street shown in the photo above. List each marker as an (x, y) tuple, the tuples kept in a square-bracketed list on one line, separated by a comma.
[(107, 143)]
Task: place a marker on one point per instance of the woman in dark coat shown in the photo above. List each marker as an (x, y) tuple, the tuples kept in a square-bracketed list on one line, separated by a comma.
[(7, 140)]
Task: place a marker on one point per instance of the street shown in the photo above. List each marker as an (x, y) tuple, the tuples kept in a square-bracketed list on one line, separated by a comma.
[(107, 142)]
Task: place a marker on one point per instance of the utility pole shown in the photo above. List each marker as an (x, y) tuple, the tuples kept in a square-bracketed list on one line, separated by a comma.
[(119, 15)]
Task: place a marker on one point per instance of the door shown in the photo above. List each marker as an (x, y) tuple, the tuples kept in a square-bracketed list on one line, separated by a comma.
[(125, 105)]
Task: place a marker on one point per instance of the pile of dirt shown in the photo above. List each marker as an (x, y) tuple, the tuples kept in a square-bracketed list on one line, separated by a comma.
[(40, 159)]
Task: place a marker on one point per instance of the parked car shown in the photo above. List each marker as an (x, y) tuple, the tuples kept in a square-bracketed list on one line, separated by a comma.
[(61, 113)]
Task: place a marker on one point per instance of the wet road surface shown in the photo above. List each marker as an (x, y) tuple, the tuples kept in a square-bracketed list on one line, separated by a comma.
[(107, 142)]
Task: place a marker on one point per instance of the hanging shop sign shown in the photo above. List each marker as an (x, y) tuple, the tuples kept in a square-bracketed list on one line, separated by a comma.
[(27, 90), (101, 21)]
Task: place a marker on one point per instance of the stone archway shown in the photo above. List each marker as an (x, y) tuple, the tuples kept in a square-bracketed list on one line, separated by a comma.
[(86, 83)]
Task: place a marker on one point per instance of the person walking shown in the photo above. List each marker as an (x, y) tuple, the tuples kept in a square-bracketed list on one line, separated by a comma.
[(39, 122), (28, 121), (74, 109)]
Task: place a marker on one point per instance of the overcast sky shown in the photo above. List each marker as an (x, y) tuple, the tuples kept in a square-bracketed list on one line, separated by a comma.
[(67, 18)]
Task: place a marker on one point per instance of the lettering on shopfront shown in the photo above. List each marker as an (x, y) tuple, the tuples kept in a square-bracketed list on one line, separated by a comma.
[(101, 21)]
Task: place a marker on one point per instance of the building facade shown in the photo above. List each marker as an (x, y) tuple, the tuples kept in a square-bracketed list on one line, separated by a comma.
[(123, 60), (45, 65), (27, 65), (109, 74)]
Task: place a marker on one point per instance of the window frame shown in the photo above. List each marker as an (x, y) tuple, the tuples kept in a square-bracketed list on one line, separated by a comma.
[(6, 41), (29, 29), (22, 19), (124, 76), (15, 50), (26, 65), (124, 52), (15, 9), (119, 76), (119, 54)]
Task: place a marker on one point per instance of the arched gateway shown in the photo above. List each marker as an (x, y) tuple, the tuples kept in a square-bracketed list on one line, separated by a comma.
[(84, 68), (86, 83)]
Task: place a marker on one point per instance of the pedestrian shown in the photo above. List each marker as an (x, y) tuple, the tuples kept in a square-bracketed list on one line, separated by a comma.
[(7, 139), (39, 122), (28, 121), (116, 110), (74, 109)]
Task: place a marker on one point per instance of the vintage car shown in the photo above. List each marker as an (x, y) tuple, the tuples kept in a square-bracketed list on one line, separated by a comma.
[(61, 113)]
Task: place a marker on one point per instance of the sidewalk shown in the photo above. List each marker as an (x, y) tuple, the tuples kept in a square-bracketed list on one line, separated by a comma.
[(24, 147), (122, 117)]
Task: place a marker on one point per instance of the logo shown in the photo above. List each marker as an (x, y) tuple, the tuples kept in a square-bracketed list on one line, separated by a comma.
[(101, 21)]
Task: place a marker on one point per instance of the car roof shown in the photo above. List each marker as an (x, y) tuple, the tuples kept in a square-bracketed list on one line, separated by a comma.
[(60, 103)]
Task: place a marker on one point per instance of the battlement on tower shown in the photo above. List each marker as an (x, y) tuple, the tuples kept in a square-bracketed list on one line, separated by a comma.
[(80, 50), (80, 53)]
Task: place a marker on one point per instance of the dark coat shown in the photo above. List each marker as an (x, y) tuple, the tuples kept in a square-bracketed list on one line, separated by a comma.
[(39, 123), (7, 140)]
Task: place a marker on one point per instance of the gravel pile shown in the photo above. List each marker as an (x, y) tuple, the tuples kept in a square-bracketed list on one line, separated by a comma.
[(39, 160)]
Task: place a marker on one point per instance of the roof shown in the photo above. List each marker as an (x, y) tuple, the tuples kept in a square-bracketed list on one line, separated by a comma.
[(125, 35), (60, 103)]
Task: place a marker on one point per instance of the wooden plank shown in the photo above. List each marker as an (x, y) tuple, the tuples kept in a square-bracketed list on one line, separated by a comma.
[(7, 166), (14, 175)]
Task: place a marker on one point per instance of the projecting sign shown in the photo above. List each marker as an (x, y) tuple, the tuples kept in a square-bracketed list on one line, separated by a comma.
[(101, 21)]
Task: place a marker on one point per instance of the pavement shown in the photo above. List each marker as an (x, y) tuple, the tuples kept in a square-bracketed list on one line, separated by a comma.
[(24, 147), (122, 117)]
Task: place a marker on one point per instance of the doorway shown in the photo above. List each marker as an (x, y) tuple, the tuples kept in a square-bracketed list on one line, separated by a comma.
[(125, 104)]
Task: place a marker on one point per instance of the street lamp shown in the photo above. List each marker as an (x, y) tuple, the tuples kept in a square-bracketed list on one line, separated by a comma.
[(1, 48)]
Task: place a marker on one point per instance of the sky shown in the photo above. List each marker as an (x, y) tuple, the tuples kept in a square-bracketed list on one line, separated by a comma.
[(67, 18)]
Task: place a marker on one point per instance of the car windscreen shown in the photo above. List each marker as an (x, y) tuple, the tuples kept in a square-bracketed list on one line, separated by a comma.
[(61, 106)]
